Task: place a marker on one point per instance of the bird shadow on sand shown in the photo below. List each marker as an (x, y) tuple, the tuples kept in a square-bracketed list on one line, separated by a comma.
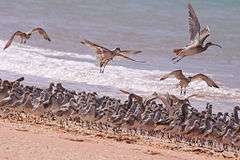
[(22, 130), (150, 152), (74, 139)]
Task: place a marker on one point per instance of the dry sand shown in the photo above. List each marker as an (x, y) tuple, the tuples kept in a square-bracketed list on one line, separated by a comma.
[(20, 141)]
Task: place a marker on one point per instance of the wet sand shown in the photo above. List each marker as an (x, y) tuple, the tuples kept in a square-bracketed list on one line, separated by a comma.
[(20, 141)]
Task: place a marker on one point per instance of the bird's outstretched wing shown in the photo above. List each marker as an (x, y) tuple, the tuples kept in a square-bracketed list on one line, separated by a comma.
[(153, 97), (130, 52), (41, 32), (162, 98), (99, 49), (126, 57), (205, 78), (177, 74), (18, 33), (194, 25), (135, 96)]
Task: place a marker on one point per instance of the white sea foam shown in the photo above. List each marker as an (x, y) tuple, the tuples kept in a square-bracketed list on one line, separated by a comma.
[(81, 72)]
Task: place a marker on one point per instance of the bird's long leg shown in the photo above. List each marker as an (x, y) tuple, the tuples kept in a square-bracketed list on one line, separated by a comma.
[(174, 58), (185, 91), (105, 64), (21, 40), (101, 65), (179, 59)]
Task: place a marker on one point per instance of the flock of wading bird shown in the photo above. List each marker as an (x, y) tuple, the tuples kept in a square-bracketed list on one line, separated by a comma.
[(174, 118)]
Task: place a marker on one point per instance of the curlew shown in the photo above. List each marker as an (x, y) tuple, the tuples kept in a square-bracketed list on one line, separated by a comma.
[(104, 55), (184, 81), (197, 38), (24, 36)]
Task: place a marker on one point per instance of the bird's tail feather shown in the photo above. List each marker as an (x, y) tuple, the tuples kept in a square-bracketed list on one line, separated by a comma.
[(216, 86)]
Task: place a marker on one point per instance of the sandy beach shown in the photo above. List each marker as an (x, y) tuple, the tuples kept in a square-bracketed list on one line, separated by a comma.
[(20, 141)]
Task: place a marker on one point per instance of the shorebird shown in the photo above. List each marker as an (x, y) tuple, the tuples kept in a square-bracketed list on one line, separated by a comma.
[(27, 105), (184, 81), (9, 100), (142, 100), (105, 55), (235, 112), (24, 36), (197, 38), (21, 101)]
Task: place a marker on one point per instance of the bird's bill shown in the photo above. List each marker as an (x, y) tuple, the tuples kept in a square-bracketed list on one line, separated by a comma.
[(126, 57), (217, 45), (162, 78), (126, 92)]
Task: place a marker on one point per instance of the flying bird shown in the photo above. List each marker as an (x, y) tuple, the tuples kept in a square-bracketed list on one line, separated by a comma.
[(24, 36), (104, 55), (197, 38), (184, 81)]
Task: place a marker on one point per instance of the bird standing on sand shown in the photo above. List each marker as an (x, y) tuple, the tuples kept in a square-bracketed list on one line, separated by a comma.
[(105, 55), (197, 37), (142, 100), (24, 36), (184, 81)]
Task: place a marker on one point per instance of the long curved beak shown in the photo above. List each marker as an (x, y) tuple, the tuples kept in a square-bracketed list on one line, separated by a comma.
[(217, 45)]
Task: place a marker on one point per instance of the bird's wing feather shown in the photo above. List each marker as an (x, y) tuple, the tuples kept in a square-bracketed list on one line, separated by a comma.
[(18, 33), (164, 101), (194, 25), (135, 96), (41, 32), (149, 100), (177, 74), (126, 57), (98, 48), (205, 78)]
